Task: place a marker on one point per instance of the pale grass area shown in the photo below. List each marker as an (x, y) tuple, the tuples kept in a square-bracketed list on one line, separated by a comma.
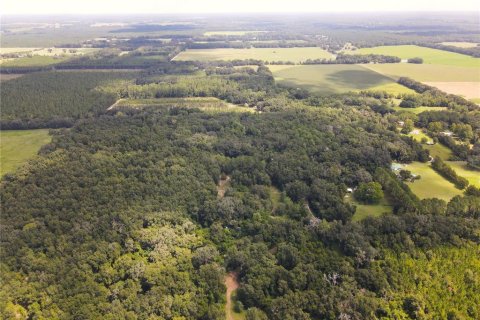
[(468, 90), (207, 104), (461, 168), (461, 44), (6, 77), (231, 33), (295, 55)]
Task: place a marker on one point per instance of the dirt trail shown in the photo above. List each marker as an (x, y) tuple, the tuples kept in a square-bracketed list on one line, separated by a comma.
[(222, 187), (115, 104), (232, 284)]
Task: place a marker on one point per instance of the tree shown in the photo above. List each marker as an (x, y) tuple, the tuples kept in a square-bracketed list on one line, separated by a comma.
[(415, 60), (407, 126), (370, 192)]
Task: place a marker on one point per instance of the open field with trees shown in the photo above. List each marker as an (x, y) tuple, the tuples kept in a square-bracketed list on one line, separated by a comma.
[(295, 55), (17, 147), (431, 184), (429, 55), (333, 78)]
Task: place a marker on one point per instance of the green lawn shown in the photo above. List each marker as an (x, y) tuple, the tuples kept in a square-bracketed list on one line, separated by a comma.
[(330, 78), (231, 33), (265, 54), (431, 184), (369, 210), (439, 150), (460, 167), (393, 88), (418, 135), (427, 72), (430, 56), (17, 146)]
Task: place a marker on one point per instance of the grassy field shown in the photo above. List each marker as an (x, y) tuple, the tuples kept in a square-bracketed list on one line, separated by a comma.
[(427, 72), (230, 33), (17, 146), (431, 184), (460, 167), (418, 110), (41, 56), (369, 210), (430, 56), (393, 88), (461, 44), (34, 61), (265, 54), (207, 104), (330, 78)]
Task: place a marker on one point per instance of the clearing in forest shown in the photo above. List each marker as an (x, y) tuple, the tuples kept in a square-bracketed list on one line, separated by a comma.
[(334, 78), (295, 55), (431, 184), (232, 284), (17, 146), (207, 104)]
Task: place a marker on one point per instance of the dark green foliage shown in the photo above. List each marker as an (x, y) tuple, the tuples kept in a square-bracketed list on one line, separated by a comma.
[(370, 192), (55, 99), (448, 173)]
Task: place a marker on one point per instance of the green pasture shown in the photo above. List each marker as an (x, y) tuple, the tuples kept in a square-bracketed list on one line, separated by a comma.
[(17, 146)]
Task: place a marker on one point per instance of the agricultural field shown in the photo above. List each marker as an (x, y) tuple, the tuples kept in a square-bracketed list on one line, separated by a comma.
[(231, 33), (463, 81), (469, 90), (427, 72), (36, 57), (6, 77), (295, 55), (16, 147), (429, 55), (461, 44), (332, 78), (207, 104), (431, 184)]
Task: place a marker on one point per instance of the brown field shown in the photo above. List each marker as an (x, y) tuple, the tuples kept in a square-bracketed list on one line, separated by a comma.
[(461, 44), (6, 77), (469, 90)]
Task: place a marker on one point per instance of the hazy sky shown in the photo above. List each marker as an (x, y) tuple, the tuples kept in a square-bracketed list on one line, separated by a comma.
[(217, 6)]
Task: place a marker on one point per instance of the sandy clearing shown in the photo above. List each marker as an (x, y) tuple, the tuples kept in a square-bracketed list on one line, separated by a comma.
[(222, 186), (469, 90), (232, 284)]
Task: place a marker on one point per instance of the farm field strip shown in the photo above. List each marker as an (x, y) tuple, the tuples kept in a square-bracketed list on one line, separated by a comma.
[(429, 55), (333, 78), (208, 104), (295, 55), (469, 90), (427, 72)]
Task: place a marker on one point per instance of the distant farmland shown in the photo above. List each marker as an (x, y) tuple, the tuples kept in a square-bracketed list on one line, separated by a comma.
[(429, 55), (335, 78), (295, 55)]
